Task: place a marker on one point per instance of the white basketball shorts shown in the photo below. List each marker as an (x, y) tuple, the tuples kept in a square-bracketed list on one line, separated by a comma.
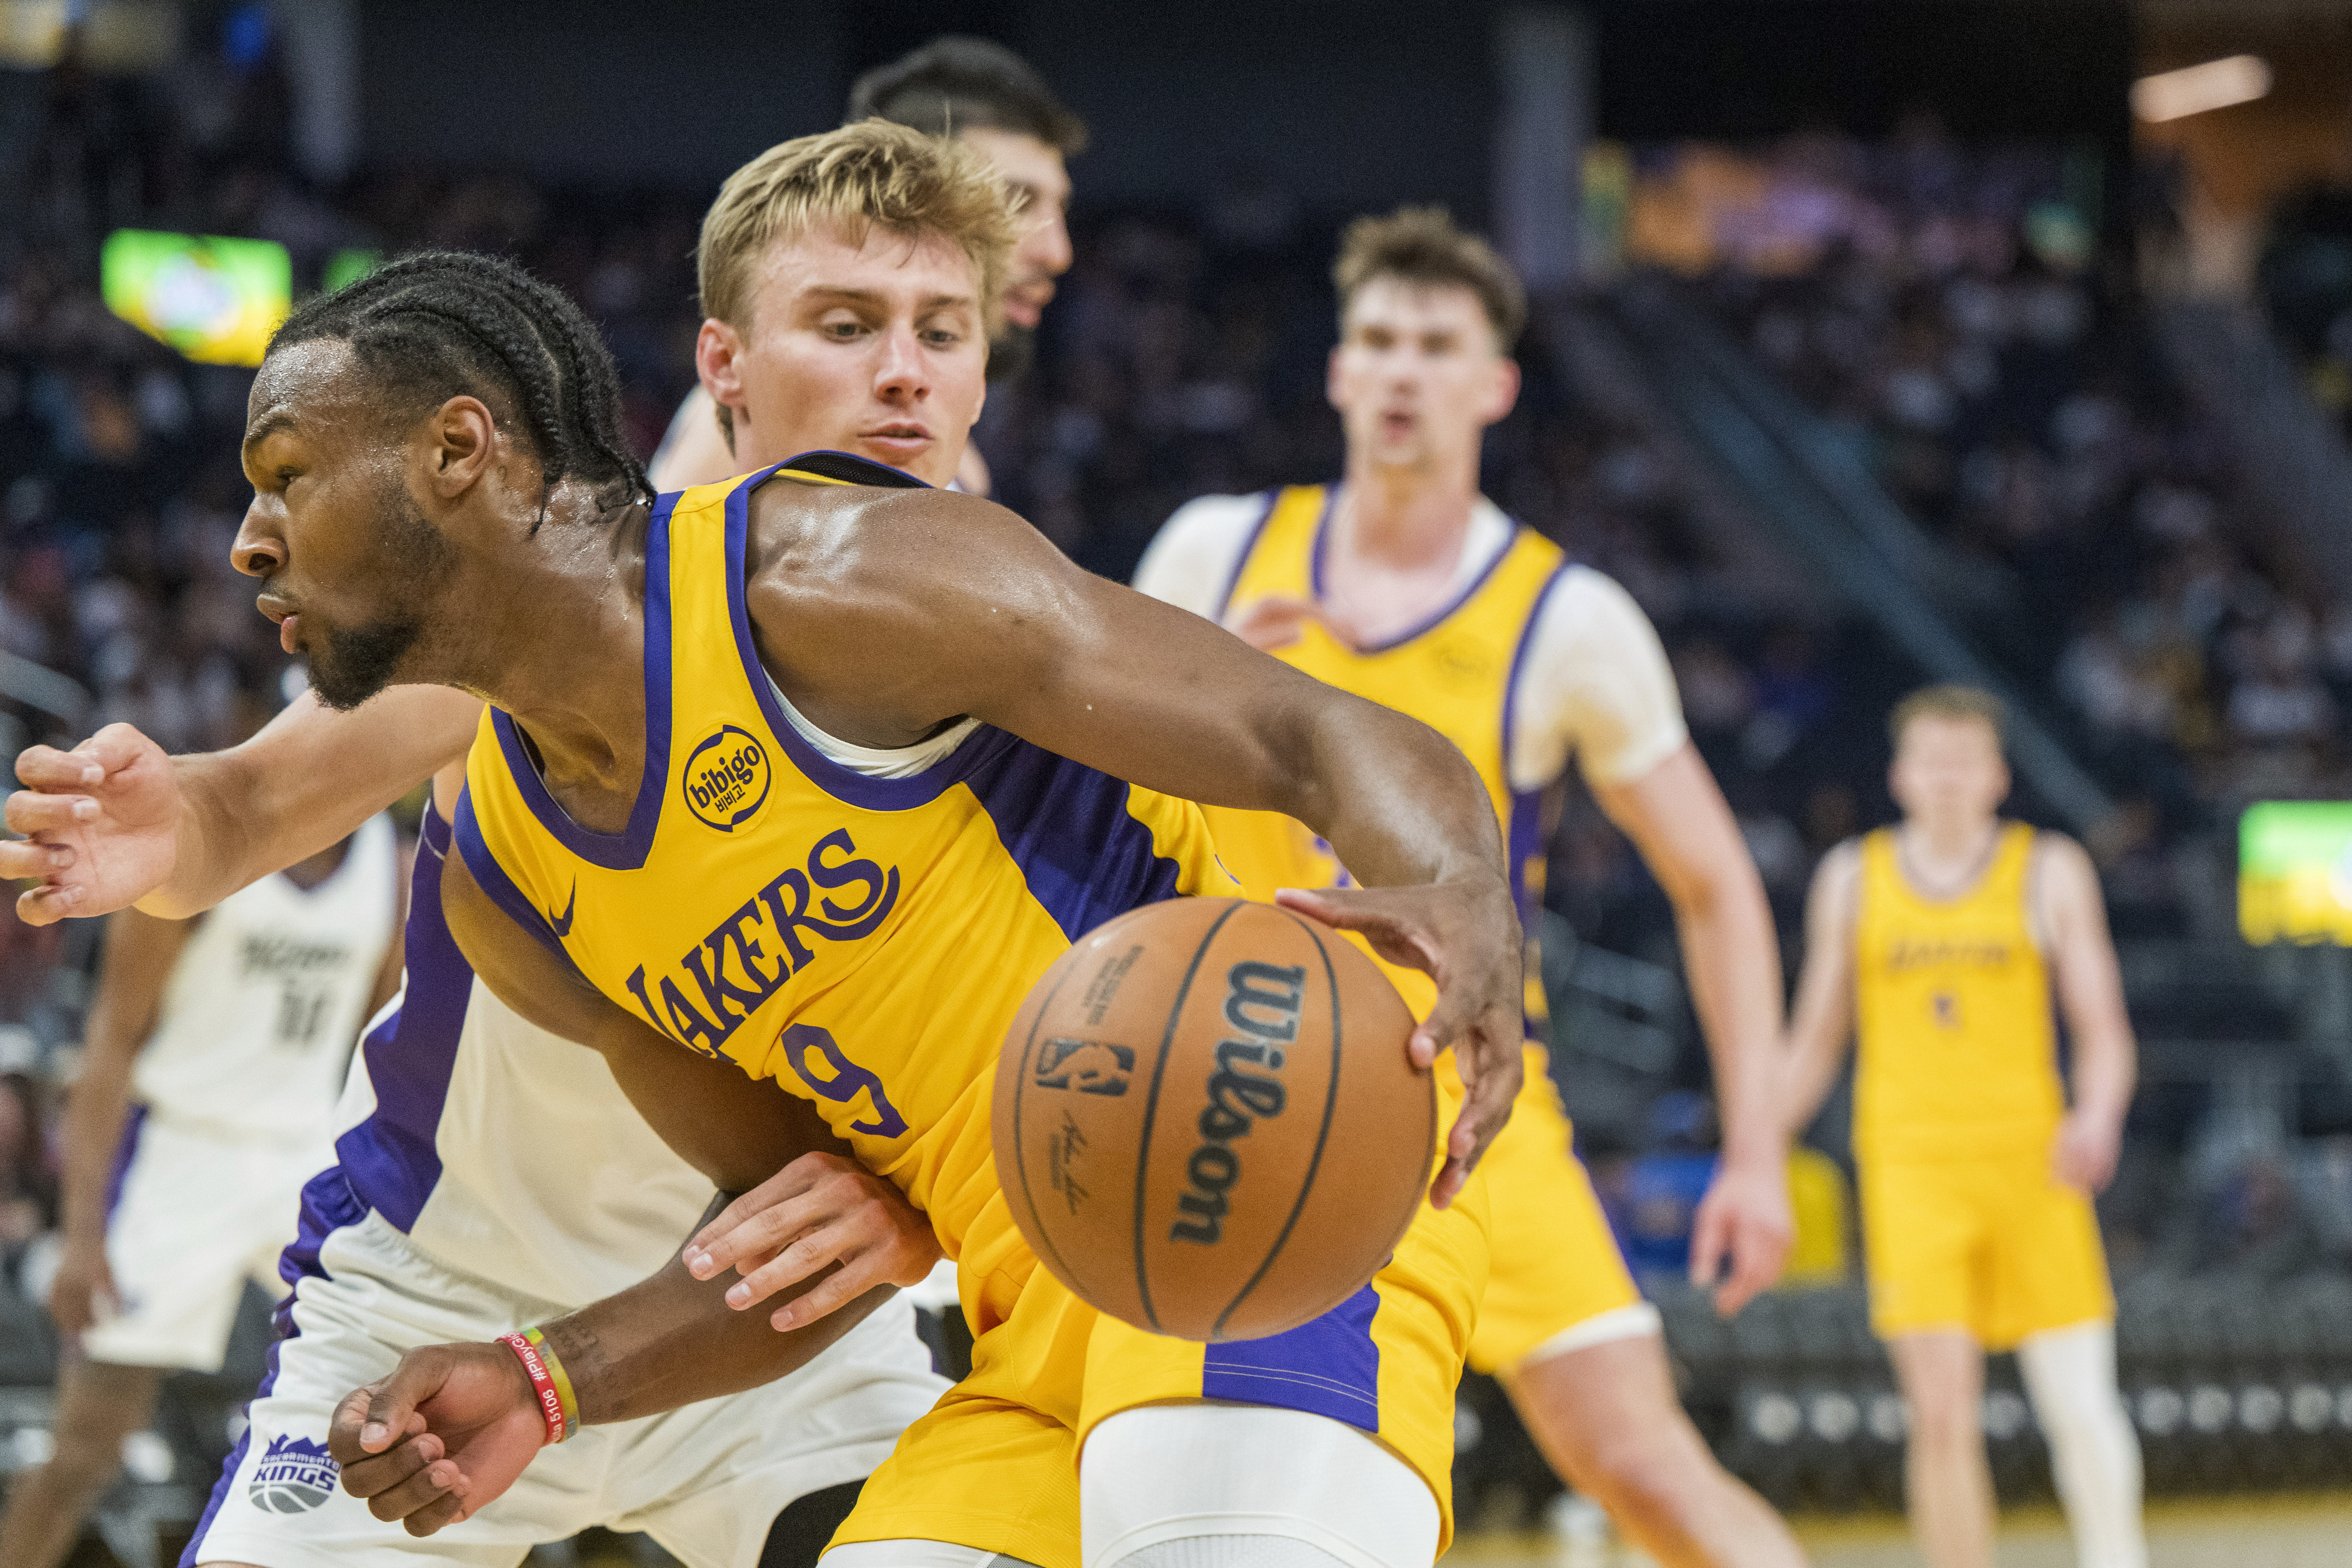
[(192, 1218), (706, 1481)]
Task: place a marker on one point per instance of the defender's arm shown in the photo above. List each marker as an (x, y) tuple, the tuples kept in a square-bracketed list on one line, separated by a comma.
[(923, 607), (1821, 1025), (114, 822), (2073, 916), (454, 1424)]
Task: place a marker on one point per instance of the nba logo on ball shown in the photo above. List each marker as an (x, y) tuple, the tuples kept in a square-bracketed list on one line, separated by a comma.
[(725, 779), (294, 1477)]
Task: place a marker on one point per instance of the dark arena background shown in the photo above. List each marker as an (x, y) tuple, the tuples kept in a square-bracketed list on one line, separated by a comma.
[(1874, 343)]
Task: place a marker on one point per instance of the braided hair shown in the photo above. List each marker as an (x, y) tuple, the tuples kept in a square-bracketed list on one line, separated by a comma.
[(439, 323)]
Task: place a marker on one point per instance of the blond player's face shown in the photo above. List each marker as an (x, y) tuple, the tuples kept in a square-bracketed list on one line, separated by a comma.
[(878, 350), (1948, 771), (1040, 184), (1417, 376)]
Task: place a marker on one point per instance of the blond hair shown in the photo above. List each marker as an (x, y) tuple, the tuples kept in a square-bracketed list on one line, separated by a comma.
[(853, 179), (1421, 245), (1962, 702)]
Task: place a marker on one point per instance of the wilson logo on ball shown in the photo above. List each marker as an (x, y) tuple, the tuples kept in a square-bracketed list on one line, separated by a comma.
[(1090, 1066), (295, 1475), (726, 779), (1262, 1003)]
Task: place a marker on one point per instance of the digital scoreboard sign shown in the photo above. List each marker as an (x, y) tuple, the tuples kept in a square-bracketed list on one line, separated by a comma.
[(214, 299), (2294, 871)]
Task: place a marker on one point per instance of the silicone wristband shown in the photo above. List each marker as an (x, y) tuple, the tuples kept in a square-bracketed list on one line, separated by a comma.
[(542, 1386), (562, 1379)]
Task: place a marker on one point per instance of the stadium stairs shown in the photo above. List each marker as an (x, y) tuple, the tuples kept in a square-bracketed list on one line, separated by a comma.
[(2297, 469), (1804, 487)]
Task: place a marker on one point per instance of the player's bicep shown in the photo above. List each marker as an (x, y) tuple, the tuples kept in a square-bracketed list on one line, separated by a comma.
[(2073, 912), (1156, 695), (995, 623), (518, 969)]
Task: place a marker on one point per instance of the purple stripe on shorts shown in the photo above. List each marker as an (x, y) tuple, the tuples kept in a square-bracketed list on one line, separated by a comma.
[(328, 1205), (124, 1152), (1328, 1367), (391, 1161)]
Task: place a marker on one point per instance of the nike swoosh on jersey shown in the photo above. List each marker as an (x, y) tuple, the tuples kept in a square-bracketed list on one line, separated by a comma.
[(563, 922)]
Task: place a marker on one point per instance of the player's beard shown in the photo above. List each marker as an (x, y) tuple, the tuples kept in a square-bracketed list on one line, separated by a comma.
[(1012, 351), (347, 667)]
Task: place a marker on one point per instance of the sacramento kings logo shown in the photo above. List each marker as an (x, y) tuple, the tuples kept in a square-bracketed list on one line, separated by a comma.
[(294, 1477)]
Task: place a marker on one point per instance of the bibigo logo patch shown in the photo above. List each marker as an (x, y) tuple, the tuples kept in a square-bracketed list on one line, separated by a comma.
[(294, 1476), (726, 779)]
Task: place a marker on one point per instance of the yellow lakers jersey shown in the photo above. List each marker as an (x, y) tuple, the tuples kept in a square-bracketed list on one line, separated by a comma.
[(1456, 672), (1958, 1049), (864, 941)]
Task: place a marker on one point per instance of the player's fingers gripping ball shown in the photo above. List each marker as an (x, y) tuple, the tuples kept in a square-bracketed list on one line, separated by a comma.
[(1206, 1121)]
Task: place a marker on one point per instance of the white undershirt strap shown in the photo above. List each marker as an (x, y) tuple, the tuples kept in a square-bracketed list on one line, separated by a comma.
[(874, 762)]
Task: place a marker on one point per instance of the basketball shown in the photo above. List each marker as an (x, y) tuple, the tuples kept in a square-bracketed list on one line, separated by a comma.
[(1206, 1124)]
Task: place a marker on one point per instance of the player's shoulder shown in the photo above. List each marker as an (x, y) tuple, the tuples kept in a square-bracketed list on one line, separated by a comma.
[(1589, 615), (1587, 590), (2051, 852), (1841, 868), (1192, 559), (1216, 518)]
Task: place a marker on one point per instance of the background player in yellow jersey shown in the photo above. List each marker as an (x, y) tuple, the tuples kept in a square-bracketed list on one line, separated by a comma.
[(1943, 943), (994, 102), (1405, 585)]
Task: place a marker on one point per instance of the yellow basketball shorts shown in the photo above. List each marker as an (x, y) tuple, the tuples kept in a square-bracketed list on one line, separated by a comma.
[(1995, 1245), (1556, 1264), (993, 1466)]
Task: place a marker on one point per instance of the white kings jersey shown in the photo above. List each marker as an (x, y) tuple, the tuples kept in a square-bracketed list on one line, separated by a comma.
[(500, 1151), (257, 1020)]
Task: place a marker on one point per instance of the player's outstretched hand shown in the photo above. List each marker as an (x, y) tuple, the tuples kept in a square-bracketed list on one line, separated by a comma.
[(1465, 936), (819, 1210), (1744, 1221), (1275, 621), (102, 822), (441, 1438)]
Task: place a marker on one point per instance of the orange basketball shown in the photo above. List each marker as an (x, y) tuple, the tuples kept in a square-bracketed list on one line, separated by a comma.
[(1205, 1121)]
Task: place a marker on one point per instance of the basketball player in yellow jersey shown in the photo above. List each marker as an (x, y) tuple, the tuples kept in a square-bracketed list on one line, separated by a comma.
[(1943, 943), (1403, 584), (994, 102), (826, 707)]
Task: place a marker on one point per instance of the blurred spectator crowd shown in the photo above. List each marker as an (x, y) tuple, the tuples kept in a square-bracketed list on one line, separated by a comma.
[(1942, 310)]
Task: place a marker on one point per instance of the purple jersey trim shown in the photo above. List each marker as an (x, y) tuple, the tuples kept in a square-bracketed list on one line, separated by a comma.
[(328, 1205), (1315, 572), (1085, 856), (126, 1150), (626, 850), (1249, 548), (841, 783)]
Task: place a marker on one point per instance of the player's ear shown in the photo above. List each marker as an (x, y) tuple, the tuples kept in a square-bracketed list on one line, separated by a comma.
[(461, 441), (1504, 389), (716, 348)]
